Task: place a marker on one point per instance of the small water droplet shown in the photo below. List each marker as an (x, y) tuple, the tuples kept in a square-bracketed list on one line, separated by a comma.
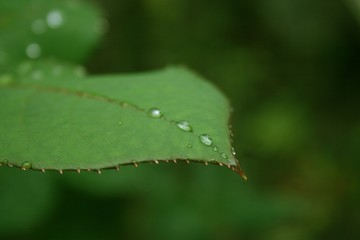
[(120, 123), (38, 26), (215, 148), (189, 146), (33, 50), (26, 166), (223, 155), (54, 19), (184, 125), (206, 139), (155, 113), (233, 151)]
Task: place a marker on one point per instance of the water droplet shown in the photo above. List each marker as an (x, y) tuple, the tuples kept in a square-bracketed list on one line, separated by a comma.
[(155, 113), (120, 123), (184, 125), (223, 155), (38, 26), (26, 166), (233, 151), (215, 148), (33, 50), (189, 146), (206, 139), (54, 19), (6, 79)]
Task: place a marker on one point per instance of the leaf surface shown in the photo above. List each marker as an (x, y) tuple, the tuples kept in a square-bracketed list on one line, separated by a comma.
[(66, 121)]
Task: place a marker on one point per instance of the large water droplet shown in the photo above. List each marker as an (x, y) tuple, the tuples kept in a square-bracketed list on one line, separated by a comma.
[(206, 139), (54, 19), (155, 113), (33, 50), (38, 26), (26, 166), (184, 125)]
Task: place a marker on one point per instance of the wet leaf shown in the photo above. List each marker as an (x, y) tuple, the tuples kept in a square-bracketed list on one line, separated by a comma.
[(62, 120)]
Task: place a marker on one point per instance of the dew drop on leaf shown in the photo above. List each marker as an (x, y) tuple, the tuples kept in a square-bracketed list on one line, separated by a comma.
[(184, 125), (233, 151), (26, 166), (189, 146), (206, 139), (155, 113), (33, 50), (215, 148)]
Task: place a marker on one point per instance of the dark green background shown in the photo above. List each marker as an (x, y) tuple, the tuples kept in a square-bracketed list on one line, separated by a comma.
[(291, 70)]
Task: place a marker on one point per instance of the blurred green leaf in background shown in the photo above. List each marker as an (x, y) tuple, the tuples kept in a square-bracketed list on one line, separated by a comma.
[(290, 69)]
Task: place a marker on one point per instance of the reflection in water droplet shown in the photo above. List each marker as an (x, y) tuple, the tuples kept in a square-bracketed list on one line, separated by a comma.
[(26, 166), (155, 113), (223, 155), (54, 19), (184, 125), (38, 26), (189, 146), (215, 148), (233, 151), (33, 50), (206, 139)]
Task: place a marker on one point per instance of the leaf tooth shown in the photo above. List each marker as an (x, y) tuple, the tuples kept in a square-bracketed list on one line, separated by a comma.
[(99, 171), (156, 161), (43, 170), (61, 172), (174, 160), (78, 170)]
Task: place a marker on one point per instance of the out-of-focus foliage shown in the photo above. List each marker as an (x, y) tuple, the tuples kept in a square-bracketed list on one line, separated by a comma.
[(291, 70)]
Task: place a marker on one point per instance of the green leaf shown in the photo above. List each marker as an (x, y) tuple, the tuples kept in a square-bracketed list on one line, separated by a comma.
[(66, 30), (66, 121)]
